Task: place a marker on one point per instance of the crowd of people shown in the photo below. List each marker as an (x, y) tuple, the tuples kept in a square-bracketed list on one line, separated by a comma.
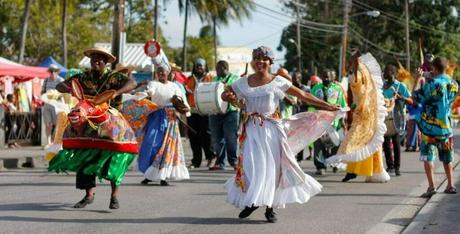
[(250, 136)]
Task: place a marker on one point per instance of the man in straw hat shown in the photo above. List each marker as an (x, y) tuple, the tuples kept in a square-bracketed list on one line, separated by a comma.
[(114, 162)]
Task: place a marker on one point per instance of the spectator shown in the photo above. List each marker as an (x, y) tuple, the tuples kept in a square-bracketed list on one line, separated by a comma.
[(10, 124), (436, 98), (53, 80)]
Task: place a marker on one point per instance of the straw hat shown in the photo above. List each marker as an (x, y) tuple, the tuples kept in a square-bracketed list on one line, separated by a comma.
[(124, 68), (174, 67), (96, 50)]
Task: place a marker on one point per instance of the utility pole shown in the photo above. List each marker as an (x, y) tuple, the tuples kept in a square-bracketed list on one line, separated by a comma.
[(118, 27), (343, 59), (299, 65), (155, 22), (184, 48), (214, 33), (406, 3)]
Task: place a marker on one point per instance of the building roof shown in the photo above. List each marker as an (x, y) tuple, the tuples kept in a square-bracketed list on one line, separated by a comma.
[(133, 55)]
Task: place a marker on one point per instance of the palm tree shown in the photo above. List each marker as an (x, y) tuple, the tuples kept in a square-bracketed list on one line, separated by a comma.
[(25, 18), (64, 33), (216, 13)]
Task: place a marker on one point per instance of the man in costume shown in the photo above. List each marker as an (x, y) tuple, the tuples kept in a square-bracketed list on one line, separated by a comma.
[(332, 93), (98, 141), (362, 147), (394, 92), (224, 127), (436, 98), (200, 138)]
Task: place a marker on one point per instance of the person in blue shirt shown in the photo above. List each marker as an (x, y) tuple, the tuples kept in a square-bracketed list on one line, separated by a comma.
[(436, 98), (393, 89)]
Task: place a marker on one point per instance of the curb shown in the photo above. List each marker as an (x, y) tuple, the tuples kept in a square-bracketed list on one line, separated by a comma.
[(422, 218), (404, 217)]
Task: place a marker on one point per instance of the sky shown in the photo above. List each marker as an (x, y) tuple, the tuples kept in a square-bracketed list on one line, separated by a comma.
[(260, 29)]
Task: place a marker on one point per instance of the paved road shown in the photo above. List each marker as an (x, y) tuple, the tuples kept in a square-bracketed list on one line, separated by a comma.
[(35, 201)]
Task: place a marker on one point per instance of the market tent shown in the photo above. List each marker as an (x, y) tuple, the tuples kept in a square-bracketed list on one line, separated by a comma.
[(8, 62), (50, 60), (23, 73)]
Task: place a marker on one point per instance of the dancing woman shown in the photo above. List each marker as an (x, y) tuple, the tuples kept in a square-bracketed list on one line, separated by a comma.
[(267, 172), (161, 155)]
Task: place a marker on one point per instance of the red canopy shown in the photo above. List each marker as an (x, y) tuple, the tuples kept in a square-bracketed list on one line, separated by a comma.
[(23, 73)]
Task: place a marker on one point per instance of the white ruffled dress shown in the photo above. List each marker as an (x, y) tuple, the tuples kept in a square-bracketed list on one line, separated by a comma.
[(268, 175)]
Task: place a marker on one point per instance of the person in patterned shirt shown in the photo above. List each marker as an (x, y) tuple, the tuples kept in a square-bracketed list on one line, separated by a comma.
[(436, 98)]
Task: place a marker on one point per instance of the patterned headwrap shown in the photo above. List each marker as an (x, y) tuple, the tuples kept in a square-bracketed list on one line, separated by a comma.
[(263, 51)]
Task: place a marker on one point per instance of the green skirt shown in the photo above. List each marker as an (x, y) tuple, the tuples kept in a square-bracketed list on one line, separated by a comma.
[(105, 164)]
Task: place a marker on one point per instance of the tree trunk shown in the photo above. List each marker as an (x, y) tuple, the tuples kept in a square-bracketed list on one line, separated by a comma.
[(155, 23), (184, 48), (64, 33), (214, 24), (118, 27), (25, 18)]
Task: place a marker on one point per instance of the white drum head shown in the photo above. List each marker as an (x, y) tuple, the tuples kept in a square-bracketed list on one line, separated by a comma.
[(208, 100)]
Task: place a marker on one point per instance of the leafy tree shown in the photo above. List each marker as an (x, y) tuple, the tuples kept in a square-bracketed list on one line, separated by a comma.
[(384, 36)]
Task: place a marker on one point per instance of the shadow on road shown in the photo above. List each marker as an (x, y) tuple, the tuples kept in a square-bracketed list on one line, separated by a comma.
[(178, 220), (33, 206)]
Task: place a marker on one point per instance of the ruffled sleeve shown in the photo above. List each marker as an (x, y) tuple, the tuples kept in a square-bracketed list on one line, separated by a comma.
[(282, 83), (238, 87)]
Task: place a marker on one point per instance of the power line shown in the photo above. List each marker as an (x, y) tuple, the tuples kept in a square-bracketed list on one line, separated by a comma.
[(399, 20), (302, 25), (317, 24), (359, 36)]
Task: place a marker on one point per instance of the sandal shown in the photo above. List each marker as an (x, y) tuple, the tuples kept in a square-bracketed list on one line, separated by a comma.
[(429, 193), (451, 190)]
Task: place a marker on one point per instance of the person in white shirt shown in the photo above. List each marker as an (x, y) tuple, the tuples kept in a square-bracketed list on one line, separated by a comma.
[(161, 154)]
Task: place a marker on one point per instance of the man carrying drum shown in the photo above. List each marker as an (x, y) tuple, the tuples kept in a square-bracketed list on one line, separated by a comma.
[(200, 138), (332, 93), (224, 127), (397, 92)]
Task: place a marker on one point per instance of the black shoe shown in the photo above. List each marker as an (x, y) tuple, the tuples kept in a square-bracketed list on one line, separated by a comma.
[(397, 172), (164, 183), (247, 211), (114, 204), (145, 181), (349, 176), (270, 215), (390, 170), (85, 201)]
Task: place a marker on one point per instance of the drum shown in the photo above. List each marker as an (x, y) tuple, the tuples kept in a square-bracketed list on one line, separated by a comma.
[(208, 100), (332, 137)]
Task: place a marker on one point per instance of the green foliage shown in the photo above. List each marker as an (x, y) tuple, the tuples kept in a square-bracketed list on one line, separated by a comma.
[(44, 25), (430, 21)]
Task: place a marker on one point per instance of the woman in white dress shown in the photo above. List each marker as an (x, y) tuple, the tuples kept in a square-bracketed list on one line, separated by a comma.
[(267, 173), (161, 155)]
